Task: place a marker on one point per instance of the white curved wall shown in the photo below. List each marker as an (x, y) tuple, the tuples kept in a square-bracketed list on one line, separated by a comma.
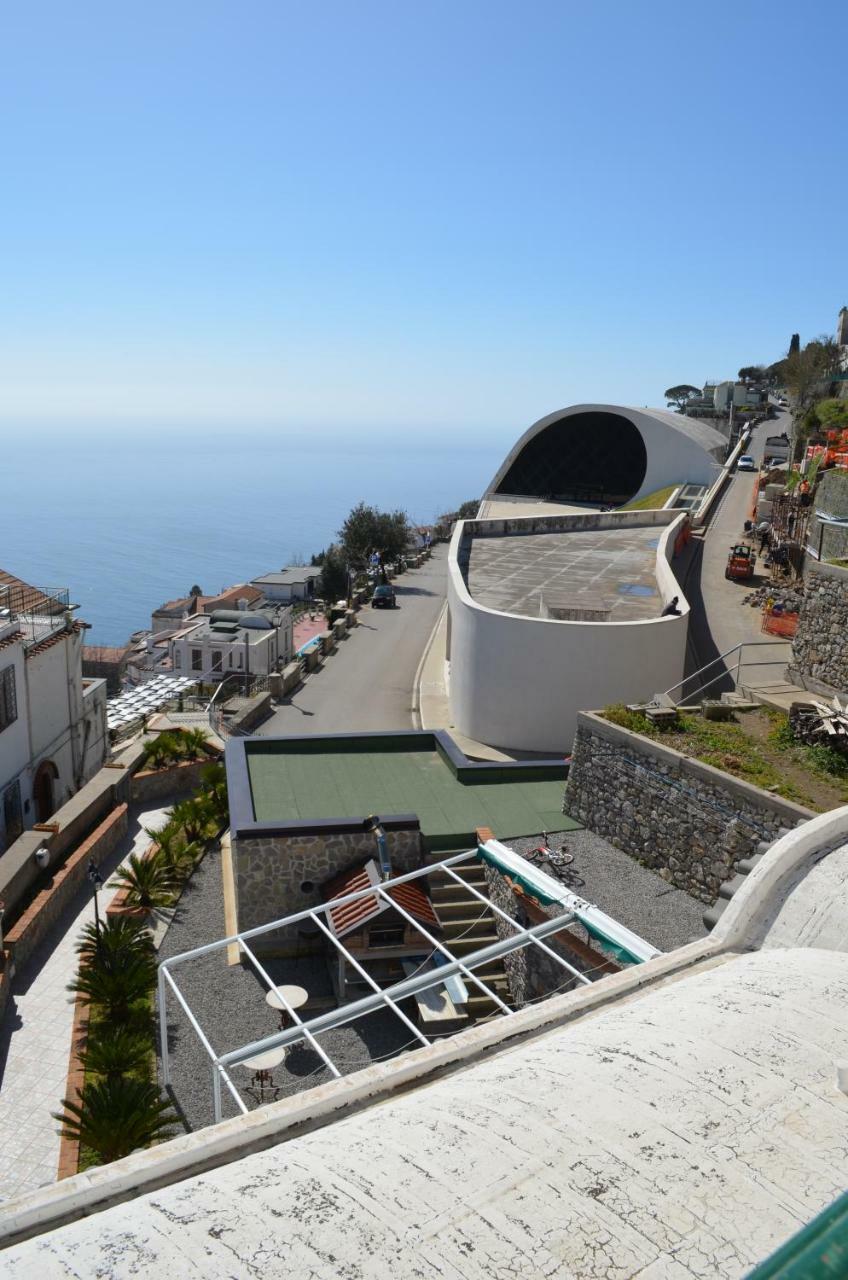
[(518, 682), (677, 447)]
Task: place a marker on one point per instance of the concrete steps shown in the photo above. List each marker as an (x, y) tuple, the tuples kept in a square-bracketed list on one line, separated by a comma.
[(744, 868), (467, 925)]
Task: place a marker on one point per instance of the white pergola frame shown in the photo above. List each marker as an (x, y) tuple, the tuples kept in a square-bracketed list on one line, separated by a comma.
[(573, 909)]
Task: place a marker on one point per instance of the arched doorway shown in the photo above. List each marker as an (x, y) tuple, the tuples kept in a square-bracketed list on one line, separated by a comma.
[(42, 790)]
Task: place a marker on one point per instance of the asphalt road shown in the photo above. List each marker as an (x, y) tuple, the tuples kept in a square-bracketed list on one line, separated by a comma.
[(367, 684), (719, 619)]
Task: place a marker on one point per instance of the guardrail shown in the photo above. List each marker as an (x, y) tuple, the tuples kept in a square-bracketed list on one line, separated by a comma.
[(723, 477), (726, 671), (234, 685)]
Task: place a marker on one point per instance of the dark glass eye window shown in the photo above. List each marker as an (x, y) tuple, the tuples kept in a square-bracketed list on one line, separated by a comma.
[(587, 457)]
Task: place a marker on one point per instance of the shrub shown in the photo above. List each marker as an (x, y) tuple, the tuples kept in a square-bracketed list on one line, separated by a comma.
[(116, 1116), (827, 760), (617, 713)]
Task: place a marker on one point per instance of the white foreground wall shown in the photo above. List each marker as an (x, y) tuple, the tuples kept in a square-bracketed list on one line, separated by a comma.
[(518, 682)]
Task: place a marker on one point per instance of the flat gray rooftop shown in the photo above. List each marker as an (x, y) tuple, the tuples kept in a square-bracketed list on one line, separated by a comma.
[(586, 574)]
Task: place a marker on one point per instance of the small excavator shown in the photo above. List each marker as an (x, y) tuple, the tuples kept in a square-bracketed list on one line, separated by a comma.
[(740, 562)]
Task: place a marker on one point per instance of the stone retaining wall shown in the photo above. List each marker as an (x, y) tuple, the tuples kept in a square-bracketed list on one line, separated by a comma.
[(270, 873), (176, 779), (42, 913), (684, 819), (820, 646)]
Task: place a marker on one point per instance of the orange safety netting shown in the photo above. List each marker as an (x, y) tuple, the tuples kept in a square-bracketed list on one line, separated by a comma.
[(780, 623)]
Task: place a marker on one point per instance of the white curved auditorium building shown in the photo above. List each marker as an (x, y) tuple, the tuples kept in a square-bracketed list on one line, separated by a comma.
[(555, 599)]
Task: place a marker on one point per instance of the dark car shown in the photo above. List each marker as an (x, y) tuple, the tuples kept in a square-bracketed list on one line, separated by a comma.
[(384, 597)]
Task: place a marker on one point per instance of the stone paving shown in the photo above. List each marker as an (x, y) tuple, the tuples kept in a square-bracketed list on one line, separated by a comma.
[(605, 572), (307, 628), (35, 1038)]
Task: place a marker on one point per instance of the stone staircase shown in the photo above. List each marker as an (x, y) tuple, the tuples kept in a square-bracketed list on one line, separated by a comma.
[(744, 868), (467, 926)]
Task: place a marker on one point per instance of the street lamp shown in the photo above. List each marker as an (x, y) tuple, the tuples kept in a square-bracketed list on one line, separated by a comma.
[(96, 881)]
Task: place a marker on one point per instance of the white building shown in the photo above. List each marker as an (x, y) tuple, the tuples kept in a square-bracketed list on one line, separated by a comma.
[(232, 642), (299, 582), (603, 455), (549, 615), (52, 721), (555, 601)]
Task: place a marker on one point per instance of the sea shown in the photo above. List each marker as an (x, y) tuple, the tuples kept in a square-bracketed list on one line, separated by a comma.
[(129, 519)]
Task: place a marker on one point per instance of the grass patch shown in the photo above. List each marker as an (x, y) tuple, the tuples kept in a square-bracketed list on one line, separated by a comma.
[(840, 564), (756, 746), (635, 721), (652, 500)]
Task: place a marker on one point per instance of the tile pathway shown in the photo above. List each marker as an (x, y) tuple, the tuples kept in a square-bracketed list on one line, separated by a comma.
[(35, 1037)]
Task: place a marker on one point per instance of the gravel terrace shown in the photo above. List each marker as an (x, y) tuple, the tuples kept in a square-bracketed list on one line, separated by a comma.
[(633, 895), (229, 1001)]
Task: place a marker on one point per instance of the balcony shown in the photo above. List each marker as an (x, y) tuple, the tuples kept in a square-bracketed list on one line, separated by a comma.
[(38, 612)]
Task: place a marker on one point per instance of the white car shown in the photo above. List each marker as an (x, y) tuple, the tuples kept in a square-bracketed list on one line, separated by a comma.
[(746, 463)]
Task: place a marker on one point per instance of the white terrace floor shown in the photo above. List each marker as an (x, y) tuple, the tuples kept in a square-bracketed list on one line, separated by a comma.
[(35, 1038)]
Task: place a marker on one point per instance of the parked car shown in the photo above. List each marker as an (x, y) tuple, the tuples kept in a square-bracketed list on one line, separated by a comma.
[(384, 597), (746, 463), (783, 402)]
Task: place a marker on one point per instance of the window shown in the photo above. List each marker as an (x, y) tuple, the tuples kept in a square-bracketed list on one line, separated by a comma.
[(12, 819), (386, 936), (217, 660), (8, 700), (178, 658), (197, 659), (240, 660), (231, 659)]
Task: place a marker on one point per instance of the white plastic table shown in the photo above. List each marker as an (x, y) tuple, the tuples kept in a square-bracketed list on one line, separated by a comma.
[(296, 997), (262, 1065)]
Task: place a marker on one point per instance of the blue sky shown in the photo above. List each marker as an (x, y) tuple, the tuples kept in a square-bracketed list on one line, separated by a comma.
[(445, 215)]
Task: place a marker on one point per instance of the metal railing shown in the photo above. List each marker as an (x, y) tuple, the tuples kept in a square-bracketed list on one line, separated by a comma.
[(236, 685), (726, 670)]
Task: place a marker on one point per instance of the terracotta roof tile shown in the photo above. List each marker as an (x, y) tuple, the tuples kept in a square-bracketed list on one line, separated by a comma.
[(104, 653), (25, 597), (48, 642), (410, 896), (14, 638), (242, 591)]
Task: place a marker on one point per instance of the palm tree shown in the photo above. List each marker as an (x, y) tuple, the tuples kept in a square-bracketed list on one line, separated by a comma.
[(214, 781), (149, 883), (117, 1051), (194, 743), (162, 750), (118, 939), (116, 1116), (118, 989), (171, 842), (193, 816)]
